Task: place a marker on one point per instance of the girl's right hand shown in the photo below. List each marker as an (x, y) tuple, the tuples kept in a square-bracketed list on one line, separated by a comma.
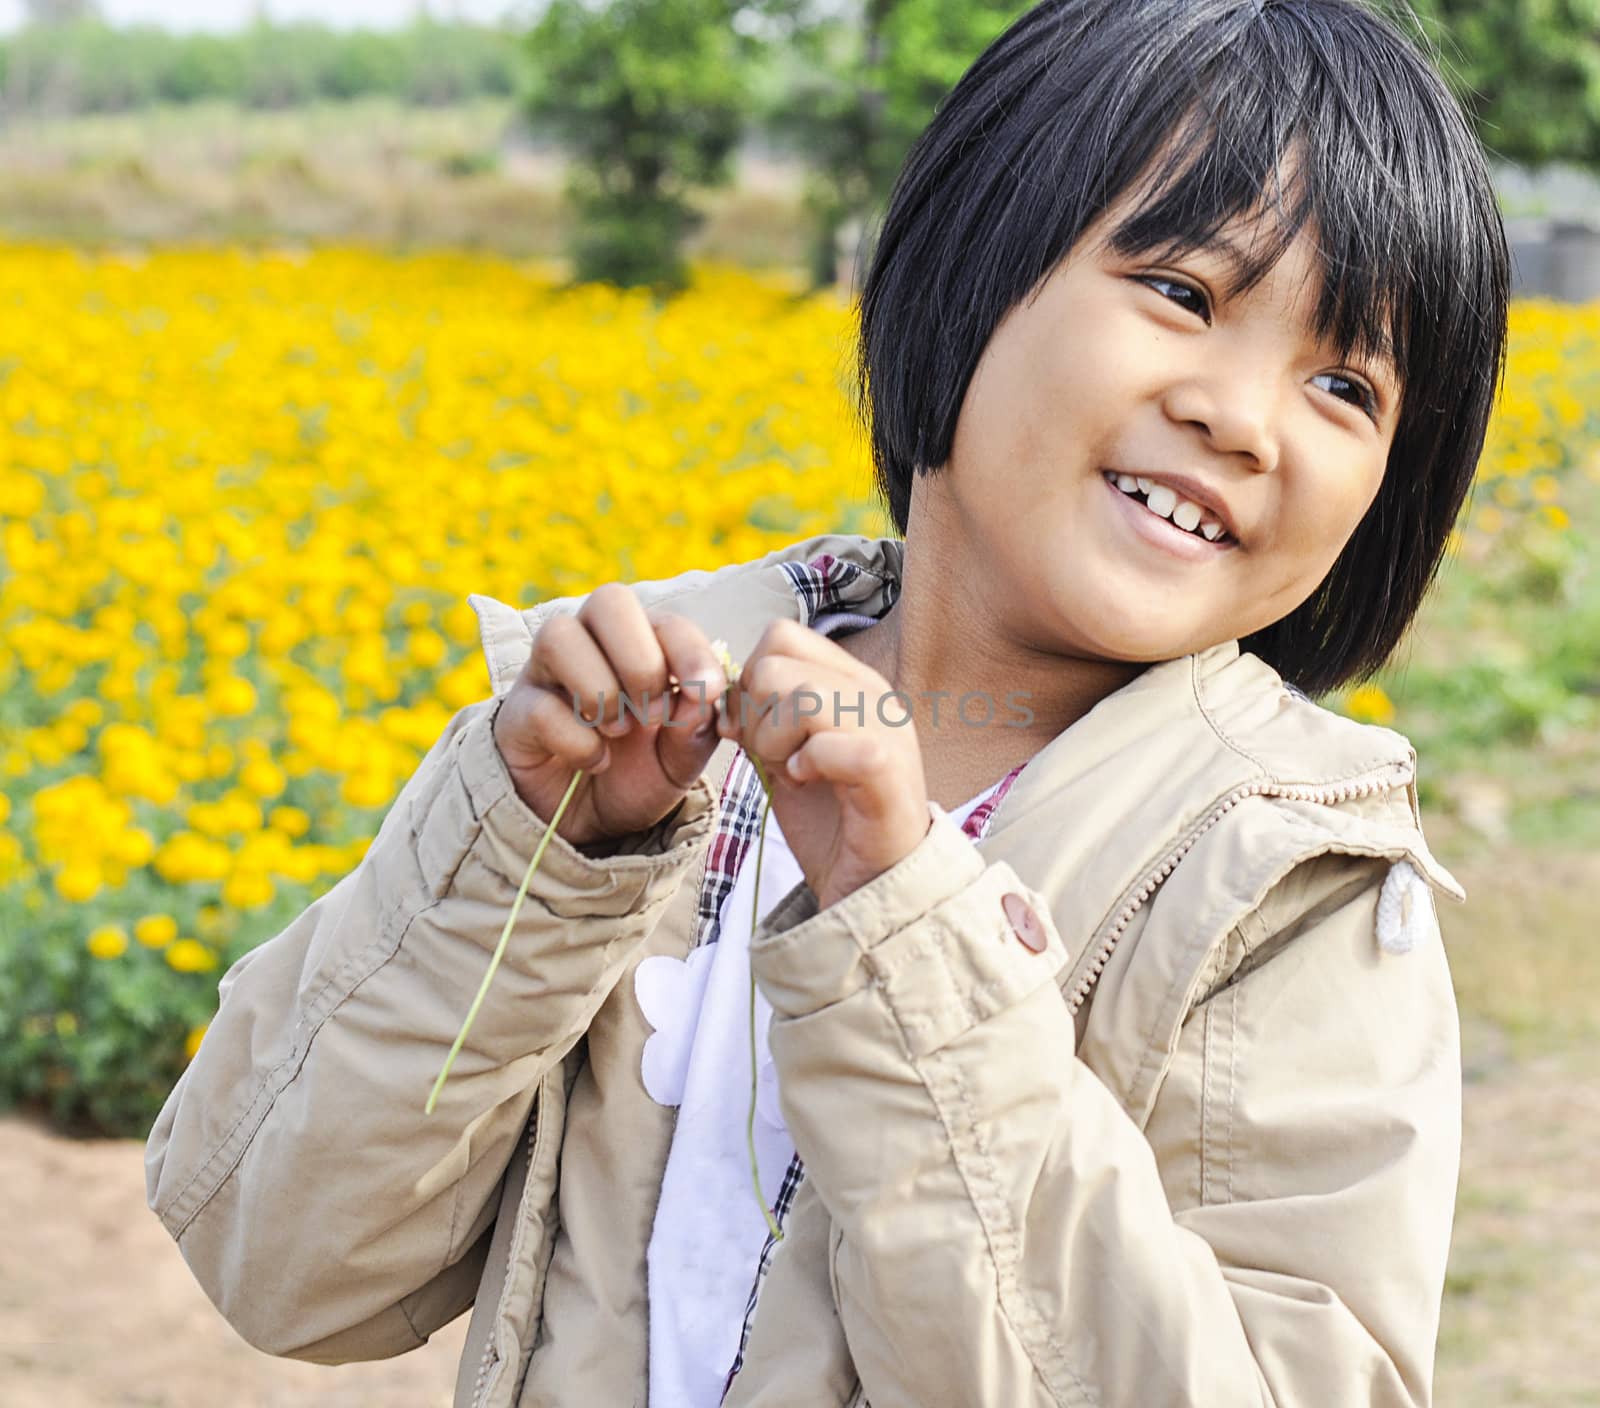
[(637, 771)]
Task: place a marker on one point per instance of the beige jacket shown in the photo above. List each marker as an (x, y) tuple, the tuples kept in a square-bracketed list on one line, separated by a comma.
[(1201, 1149)]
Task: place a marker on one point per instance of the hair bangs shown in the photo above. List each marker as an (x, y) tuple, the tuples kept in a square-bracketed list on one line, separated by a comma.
[(1280, 140)]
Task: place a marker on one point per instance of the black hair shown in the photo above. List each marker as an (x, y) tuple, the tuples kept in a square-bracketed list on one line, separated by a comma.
[(1202, 104)]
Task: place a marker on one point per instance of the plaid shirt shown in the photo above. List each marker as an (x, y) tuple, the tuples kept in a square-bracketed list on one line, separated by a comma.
[(819, 585)]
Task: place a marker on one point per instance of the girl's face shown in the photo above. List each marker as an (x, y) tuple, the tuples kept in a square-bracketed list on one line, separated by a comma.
[(1252, 451)]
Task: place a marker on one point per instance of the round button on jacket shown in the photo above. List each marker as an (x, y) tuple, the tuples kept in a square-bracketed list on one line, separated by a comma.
[(1025, 924)]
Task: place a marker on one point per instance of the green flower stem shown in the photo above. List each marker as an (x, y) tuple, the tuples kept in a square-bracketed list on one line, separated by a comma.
[(755, 918), (505, 935)]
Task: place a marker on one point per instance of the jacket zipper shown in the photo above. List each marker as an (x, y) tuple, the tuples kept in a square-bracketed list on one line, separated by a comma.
[(535, 1125), (1395, 774)]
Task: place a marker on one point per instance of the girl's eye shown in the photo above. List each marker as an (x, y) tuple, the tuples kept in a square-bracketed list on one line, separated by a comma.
[(1347, 388), (1184, 295)]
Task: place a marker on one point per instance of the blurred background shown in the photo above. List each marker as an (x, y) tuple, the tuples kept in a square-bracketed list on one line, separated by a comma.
[(279, 280)]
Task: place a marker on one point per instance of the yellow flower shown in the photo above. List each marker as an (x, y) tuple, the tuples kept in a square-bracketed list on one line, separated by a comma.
[(425, 649), (367, 789), (191, 1043), (134, 848), (156, 930), (246, 889), (108, 941), (292, 821), (1370, 705), (190, 956), (263, 777), (232, 696), (79, 882), (219, 761)]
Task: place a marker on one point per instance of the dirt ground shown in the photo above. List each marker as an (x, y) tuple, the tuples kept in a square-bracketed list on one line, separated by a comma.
[(98, 1309)]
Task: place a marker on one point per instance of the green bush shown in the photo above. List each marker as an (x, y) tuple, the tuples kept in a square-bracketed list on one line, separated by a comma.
[(97, 1045)]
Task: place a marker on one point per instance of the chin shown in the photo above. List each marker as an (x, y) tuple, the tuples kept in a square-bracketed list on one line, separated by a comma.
[(1138, 637)]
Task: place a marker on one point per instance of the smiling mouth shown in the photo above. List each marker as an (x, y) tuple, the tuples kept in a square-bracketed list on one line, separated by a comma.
[(1179, 512)]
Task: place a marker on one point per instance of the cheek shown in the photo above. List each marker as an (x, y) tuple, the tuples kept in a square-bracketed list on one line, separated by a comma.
[(1328, 511)]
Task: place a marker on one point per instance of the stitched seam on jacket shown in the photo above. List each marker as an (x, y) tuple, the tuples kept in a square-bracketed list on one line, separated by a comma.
[(964, 1002), (311, 1023), (450, 1238), (1207, 1072), (1152, 1055), (1377, 760), (411, 1324), (999, 1230), (1233, 1052), (1214, 726)]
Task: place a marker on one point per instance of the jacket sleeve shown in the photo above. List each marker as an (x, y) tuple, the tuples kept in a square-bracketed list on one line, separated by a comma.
[(1004, 1232), (323, 1212)]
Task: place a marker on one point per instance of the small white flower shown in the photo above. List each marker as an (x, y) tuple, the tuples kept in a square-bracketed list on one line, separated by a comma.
[(730, 667)]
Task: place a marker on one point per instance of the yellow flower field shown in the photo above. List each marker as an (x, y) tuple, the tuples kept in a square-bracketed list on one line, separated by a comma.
[(242, 501)]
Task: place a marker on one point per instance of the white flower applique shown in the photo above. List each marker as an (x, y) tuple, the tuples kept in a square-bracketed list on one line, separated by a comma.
[(670, 992), (698, 1051), (1404, 906)]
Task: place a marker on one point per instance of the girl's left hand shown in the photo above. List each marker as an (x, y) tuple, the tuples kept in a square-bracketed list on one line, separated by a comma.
[(848, 788)]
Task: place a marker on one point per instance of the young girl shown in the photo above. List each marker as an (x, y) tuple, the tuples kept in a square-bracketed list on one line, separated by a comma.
[(1105, 1043)]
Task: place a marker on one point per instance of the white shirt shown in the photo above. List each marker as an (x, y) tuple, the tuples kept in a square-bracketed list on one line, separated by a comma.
[(709, 1232)]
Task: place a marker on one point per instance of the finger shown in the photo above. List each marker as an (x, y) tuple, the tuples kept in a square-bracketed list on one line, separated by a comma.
[(567, 658), (854, 760), (545, 727), (693, 667), (788, 700), (617, 620), (795, 641)]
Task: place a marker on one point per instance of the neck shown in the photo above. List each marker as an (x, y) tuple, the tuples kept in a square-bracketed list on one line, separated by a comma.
[(944, 639)]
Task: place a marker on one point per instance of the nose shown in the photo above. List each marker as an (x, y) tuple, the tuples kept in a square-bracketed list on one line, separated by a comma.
[(1233, 405)]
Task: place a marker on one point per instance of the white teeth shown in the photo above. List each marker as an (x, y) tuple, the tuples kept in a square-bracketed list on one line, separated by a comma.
[(1165, 503), (1160, 500), (1186, 515)]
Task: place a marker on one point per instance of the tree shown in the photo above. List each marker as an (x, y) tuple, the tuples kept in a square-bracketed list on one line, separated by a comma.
[(650, 98), (870, 81), (1527, 70)]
